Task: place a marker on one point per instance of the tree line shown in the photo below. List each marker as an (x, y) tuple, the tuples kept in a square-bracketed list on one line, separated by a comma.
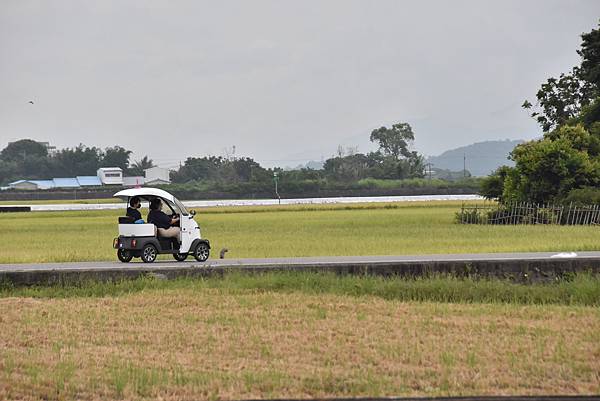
[(564, 165), (394, 160), (28, 159)]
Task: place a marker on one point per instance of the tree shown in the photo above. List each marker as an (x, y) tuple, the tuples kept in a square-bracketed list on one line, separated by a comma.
[(138, 166), (560, 100), (346, 168), (70, 162), (567, 158), (19, 150), (394, 141), (412, 167), (546, 170), (9, 171), (246, 169), (199, 169), (493, 185), (590, 54), (116, 157)]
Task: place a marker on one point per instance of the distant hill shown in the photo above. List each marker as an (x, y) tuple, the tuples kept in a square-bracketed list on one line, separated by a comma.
[(481, 157), (313, 165)]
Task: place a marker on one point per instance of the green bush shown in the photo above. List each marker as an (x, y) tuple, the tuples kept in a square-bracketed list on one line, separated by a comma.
[(583, 196)]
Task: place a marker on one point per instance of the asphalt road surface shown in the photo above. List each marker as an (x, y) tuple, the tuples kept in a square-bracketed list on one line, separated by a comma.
[(168, 262)]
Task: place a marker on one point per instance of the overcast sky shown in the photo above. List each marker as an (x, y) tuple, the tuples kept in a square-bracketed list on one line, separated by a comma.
[(283, 81)]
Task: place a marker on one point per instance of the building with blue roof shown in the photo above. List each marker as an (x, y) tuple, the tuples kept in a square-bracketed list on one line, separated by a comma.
[(89, 181), (66, 183), (106, 176), (43, 184)]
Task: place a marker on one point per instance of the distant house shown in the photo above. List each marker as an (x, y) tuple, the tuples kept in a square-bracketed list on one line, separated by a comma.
[(137, 181), (157, 176), (23, 184), (32, 184), (110, 175)]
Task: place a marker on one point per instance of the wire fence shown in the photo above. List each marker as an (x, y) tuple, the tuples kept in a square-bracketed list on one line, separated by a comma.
[(529, 213)]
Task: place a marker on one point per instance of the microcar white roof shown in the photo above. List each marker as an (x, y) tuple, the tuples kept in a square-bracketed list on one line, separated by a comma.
[(128, 193)]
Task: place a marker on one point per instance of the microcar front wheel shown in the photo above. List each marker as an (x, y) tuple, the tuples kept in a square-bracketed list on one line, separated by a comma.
[(202, 252), (180, 257)]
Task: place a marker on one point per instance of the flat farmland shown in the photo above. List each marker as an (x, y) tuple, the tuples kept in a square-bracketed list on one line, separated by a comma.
[(288, 231), (236, 339)]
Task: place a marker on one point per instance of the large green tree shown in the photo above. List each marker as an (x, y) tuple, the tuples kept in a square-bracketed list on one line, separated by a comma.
[(394, 141), (20, 150), (394, 159), (567, 158), (115, 157), (564, 98)]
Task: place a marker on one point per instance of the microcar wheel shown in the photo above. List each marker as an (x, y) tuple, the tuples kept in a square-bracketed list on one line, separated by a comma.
[(202, 252), (149, 253), (180, 257), (124, 255)]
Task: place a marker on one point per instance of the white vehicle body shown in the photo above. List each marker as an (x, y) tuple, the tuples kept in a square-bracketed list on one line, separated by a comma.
[(189, 235)]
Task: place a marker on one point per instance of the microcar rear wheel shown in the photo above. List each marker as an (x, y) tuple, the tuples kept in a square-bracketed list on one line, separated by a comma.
[(180, 257), (149, 253), (124, 255), (202, 252)]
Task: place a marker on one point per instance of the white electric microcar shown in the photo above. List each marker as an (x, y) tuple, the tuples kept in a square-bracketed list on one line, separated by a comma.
[(142, 240)]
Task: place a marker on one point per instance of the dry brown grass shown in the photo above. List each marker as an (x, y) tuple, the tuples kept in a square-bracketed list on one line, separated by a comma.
[(184, 344)]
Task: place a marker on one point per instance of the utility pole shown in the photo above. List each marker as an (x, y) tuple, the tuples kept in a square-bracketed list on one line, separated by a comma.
[(276, 180), (464, 165)]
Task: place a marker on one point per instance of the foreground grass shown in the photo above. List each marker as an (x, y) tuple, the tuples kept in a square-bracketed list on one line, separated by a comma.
[(289, 336), (308, 230), (582, 289)]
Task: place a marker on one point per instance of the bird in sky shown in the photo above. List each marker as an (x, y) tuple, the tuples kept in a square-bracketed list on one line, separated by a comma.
[(31, 102)]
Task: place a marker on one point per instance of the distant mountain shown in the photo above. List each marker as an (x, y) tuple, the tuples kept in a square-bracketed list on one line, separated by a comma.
[(481, 157)]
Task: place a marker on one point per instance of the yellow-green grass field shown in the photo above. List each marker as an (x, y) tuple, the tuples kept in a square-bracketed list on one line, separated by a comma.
[(289, 231), (203, 342)]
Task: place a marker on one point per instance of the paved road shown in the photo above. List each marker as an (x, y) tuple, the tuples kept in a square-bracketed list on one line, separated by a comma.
[(309, 261)]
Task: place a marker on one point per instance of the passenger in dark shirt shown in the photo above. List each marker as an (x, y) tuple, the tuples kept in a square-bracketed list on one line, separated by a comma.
[(162, 221), (132, 210)]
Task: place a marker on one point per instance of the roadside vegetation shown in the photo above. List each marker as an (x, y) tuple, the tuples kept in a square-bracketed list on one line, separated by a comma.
[(293, 231), (581, 289), (298, 335)]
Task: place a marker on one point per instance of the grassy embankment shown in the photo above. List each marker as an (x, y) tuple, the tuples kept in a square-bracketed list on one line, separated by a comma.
[(287, 231), (300, 336)]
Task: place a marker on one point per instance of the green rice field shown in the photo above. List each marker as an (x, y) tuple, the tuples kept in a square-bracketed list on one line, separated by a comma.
[(293, 231)]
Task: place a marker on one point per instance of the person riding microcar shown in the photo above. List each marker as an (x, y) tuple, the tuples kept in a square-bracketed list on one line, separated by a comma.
[(163, 222), (132, 211)]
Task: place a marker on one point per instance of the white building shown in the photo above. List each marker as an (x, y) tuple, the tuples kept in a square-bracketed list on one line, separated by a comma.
[(110, 175), (136, 181), (157, 176)]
